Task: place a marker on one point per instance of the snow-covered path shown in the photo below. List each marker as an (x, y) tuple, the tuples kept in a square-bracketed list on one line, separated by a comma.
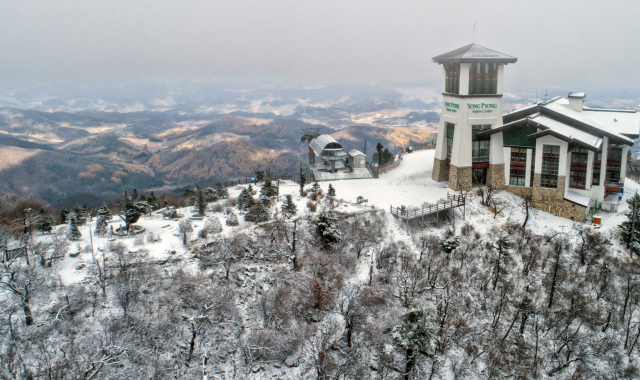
[(409, 184)]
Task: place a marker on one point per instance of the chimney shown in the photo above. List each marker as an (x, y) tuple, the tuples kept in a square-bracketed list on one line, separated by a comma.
[(576, 100)]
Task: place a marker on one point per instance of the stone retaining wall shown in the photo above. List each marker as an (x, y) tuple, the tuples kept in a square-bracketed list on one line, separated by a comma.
[(521, 191), (495, 176)]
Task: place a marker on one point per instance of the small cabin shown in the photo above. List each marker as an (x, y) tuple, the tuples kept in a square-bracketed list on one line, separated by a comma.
[(357, 159)]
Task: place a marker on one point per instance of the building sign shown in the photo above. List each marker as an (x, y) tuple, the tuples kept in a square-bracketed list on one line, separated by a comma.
[(451, 107), (482, 107)]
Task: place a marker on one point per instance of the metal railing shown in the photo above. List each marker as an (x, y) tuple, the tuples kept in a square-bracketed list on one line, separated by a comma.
[(452, 201)]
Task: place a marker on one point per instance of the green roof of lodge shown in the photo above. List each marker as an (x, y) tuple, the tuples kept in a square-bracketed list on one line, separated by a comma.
[(474, 53)]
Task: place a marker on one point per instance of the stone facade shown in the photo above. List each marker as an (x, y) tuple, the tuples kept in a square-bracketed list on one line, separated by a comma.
[(552, 201), (460, 178), (440, 170), (495, 176), (521, 191)]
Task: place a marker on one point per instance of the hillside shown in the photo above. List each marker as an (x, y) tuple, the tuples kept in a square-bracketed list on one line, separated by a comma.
[(341, 292)]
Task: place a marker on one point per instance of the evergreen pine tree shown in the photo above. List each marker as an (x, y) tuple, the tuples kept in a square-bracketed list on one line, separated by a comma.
[(268, 189), (315, 188), (74, 233), (232, 220), (245, 199), (64, 214), (153, 201), (288, 207), (266, 201), (331, 192), (326, 227), (412, 337), (450, 242), (45, 223), (81, 216), (631, 226), (170, 213), (134, 196), (101, 226), (251, 190), (105, 213), (257, 214), (259, 175), (221, 191), (303, 180)]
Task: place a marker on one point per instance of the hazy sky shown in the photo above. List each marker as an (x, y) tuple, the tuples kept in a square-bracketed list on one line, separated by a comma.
[(558, 43)]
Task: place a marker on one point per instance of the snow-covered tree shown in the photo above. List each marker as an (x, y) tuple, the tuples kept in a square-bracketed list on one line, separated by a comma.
[(105, 213), (45, 223), (221, 191), (152, 201), (102, 226), (315, 188), (133, 210), (186, 229), (245, 199), (73, 233), (266, 201), (327, 227), (232, 219), (450, 242), (331, 192), (269, 189), (64, 214), (631, 226), (288, 207), (412, 337), (258, 213), (302, 180), (170, 213), (81, 216), (213, 225)]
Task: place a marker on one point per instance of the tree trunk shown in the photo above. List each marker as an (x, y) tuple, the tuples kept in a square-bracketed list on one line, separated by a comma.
[(411, 362), (28, 316)]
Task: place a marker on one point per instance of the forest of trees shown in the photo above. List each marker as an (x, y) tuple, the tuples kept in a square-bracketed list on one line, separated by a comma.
[(330, 296)]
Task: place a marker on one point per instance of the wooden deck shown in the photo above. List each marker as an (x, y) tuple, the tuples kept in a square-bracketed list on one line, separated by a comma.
[(452, 202)]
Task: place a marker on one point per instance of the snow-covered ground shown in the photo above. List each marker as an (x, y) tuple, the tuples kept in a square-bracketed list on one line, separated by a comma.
[(410, 185)]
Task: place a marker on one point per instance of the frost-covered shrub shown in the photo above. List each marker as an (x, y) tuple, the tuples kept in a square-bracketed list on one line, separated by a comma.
[(312, 206), (218, 207), (213, 225), (257, 214), (232, 220), (327, 227), (450, 242), (170, 213)]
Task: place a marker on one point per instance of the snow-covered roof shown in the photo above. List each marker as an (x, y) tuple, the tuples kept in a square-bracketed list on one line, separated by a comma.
[(625, 122), (354, 153), (327, 147), (577, 198), (567, 131), (474, 53)]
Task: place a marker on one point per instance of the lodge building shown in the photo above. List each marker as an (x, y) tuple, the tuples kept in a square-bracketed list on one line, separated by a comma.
[(567, 158)]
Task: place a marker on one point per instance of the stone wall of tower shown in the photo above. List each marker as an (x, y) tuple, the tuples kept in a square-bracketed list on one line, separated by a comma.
[(495, 176), (440, 170), (460, 178)]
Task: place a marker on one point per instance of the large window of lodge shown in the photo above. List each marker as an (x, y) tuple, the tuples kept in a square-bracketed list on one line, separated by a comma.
[(517, 169), (550, 165), (483, 79), (614, 164), (578, 172), (595, 176)]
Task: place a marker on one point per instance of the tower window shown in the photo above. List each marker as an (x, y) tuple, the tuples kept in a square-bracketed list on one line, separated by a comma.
[(450, 131), (483, 79), (452, 78)]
